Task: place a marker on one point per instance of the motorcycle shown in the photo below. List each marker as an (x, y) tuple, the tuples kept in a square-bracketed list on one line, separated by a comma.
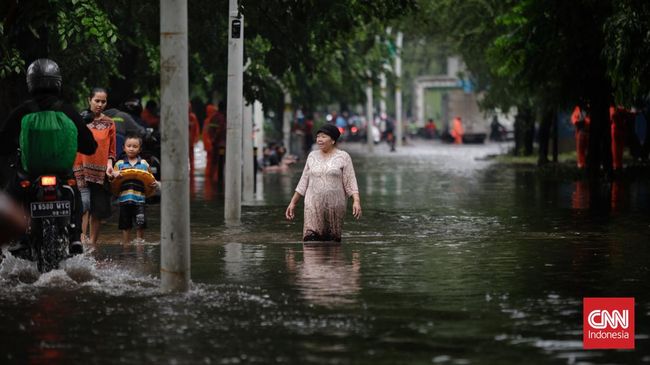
[(151, 151), (50, 200)]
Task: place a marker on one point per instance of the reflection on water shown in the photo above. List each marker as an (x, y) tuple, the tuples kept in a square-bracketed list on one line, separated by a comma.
[(324, 276), (456, 261)]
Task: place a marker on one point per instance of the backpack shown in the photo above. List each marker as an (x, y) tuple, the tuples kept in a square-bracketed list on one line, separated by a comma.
[(48, 141)]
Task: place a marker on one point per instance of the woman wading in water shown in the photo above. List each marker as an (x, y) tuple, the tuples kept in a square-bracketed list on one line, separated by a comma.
[(327, 181)]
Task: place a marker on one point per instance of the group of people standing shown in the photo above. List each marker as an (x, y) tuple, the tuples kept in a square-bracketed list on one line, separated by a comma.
[(328, 179), (619, 117)]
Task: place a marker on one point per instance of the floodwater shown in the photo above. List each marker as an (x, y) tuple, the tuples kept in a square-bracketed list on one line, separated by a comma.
[(456, 260)]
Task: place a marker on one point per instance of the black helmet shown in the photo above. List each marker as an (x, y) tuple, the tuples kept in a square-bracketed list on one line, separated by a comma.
[(43, 75), (133, 106)]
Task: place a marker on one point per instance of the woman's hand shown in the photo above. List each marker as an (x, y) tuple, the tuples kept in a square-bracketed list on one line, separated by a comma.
[(109, 168), (356, 209), (290, 213)]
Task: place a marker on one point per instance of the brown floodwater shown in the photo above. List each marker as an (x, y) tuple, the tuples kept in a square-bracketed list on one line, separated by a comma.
[(457, 260)]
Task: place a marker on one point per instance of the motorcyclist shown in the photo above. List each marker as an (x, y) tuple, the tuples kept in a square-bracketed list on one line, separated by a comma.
[(44, 85), (134, 108)]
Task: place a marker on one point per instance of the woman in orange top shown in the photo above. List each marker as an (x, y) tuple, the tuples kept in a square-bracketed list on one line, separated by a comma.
[(92, 171)]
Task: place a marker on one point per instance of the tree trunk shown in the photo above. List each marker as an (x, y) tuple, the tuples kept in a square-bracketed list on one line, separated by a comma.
[(544, 136), (121, 87), (632, 140), (556, 125), (519, 133), (529, 133), (646, 141), (599, 153)]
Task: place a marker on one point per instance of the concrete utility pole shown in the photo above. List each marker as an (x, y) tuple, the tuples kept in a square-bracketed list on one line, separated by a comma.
[(286, 120), (249, 168), (175, 200), (258, 118), (369, 116), (398, 90), (382, 94), (233, 179)]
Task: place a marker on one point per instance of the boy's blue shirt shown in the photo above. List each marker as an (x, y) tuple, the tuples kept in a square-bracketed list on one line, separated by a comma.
[(132, 191)]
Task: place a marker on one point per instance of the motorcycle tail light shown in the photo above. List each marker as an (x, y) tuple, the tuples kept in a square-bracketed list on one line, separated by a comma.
[(354, 129), (25, 184), (341, 130), (48, 180)]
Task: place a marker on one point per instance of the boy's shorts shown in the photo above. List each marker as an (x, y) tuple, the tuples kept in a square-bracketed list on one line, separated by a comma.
[(130, 215)]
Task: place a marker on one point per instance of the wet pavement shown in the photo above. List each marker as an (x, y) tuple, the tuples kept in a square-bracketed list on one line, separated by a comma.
[(456, 260)]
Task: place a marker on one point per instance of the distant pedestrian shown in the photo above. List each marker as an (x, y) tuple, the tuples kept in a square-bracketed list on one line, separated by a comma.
[(309, 134), (619, 117), (150, 114), (390, 134), (210, 111), (430, 131), (581, 121), (193, 133), (497, 130), (457, 130), (218, 131), (327, 181)]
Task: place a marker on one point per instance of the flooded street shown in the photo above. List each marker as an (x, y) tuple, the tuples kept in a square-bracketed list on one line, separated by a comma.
[(456, 260)]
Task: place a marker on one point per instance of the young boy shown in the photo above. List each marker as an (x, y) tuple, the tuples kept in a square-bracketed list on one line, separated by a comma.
[(131, 198)]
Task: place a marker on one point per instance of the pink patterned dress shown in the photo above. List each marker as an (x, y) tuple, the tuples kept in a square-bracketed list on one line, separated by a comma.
[(326, 183)]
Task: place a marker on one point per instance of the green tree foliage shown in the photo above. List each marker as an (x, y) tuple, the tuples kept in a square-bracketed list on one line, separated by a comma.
[(319, 50), (627, 50), (552, 54), (77, 33)]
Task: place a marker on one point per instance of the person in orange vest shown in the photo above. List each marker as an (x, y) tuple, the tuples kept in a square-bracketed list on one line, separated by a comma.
[(150, 114), (618, 118), (193, 134), (210, 111), (216, 129), (581, 121), (457, 131)]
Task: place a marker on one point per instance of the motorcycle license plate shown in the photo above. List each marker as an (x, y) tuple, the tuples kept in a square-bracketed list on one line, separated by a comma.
[(50, 209)]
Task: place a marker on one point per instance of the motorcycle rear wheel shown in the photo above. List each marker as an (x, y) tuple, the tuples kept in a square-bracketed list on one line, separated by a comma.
[(50, 242)]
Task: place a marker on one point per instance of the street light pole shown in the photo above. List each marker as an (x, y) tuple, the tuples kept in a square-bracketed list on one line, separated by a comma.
[(382, 94), (398, 90), (286, 121), (249, 159), (175, 188), (369, 116), (258, 118), (233, 178)]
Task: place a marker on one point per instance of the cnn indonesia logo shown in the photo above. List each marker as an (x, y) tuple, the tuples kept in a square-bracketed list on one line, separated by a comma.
[(608, 323)]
